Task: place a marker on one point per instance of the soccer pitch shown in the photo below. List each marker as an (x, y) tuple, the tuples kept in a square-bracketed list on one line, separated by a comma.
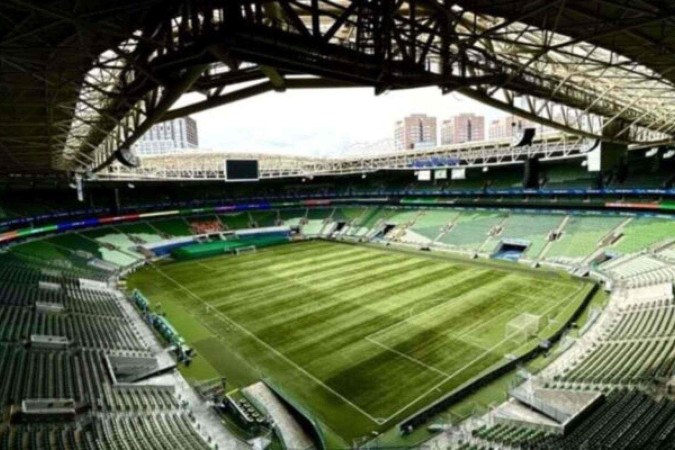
[(361, 336)]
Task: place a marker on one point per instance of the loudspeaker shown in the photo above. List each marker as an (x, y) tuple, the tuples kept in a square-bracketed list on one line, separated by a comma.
[(531, 174), (128, 157), (523, 137)]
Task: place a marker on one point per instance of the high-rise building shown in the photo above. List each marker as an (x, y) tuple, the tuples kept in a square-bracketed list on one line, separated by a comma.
[(447, 131), (462, 128), (165, 137), (506, 127), (415, 131)]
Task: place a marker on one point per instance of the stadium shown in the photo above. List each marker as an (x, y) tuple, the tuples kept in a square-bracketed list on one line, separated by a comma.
[(506, 293)]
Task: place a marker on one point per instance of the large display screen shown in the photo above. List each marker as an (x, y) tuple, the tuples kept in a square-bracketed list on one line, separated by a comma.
[(241, 170)]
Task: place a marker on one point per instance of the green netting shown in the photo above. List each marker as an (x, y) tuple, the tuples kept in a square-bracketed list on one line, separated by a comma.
[(207, 249)]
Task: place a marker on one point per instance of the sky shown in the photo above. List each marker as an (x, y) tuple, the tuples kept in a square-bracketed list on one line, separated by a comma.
[(321, 122)]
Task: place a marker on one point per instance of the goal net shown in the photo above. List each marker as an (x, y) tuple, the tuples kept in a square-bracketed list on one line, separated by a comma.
[(247, 249), (523, 327)]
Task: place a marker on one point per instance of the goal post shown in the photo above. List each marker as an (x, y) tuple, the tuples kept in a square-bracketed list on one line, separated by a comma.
[(246, 249), (523, 327)]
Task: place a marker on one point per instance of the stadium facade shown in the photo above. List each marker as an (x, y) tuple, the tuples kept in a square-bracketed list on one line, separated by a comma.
[(172, 136)]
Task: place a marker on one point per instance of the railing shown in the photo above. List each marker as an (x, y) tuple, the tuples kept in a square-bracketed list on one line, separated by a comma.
[(195, 165)]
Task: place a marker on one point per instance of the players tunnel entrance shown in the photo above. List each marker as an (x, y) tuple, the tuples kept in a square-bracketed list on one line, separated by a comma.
[(511, 249)]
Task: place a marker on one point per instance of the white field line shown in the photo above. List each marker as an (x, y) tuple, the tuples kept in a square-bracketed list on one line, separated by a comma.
[(312, 282), (467, 333), (205, 266), (467, 341), (480, 325), (408, 357), (412, 316), (328, 388), (565, 301), (450, 304), (270, 348), (461, 369), (443, 381)]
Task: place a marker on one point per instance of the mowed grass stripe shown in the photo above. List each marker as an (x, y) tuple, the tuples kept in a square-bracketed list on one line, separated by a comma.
[(300, 262), (232, 267), (236, 270), (301, 300), (271, 349), (336, 311), (425, 336), (396, 309), (293, 259), (456, 288), (277, 284), (378, 330), (415, 383), (333, 302), (266, 281)]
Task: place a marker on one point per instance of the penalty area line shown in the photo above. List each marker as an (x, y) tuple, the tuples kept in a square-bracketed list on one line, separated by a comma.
[(408, 357), (474, 361), (446, 379), (376, 420)]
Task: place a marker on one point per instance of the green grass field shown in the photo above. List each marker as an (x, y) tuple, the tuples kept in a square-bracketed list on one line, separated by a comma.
[(362, 336)]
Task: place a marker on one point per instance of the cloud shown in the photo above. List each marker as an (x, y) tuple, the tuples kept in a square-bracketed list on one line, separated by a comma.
[(322, 121)]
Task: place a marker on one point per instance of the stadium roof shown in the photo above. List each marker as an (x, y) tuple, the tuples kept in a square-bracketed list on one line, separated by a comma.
[(81, 79), (46, 49)]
